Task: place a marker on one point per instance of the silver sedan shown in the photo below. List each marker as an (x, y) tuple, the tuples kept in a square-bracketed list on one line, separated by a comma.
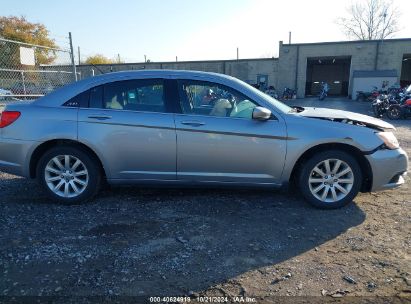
[(194, 128)]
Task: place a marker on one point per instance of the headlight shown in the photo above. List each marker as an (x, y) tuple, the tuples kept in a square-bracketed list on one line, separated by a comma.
[(389, 140)]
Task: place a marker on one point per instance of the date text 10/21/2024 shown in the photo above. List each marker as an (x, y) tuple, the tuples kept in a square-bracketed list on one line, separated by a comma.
[(202, 299)]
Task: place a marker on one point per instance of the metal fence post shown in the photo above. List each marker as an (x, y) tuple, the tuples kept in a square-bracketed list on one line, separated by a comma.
[(72, 57), (23, 82)]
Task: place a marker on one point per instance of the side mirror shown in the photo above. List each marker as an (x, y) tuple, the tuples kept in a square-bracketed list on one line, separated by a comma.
[(261, 113)]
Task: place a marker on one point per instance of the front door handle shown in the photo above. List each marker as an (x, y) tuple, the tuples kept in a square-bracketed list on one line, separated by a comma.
[(100, 117), (193, 123)]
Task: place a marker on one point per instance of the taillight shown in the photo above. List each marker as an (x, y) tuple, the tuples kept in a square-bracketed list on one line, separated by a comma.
[(8, 117)]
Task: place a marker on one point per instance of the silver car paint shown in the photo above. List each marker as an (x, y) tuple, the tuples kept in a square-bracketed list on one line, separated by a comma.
[(306, 133), (35, 126), (151, 150), (385, 164), (230, 149), (132, 145), (339, 114)]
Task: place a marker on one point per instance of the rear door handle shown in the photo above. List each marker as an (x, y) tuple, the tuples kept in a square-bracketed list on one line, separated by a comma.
[(99, 117), (193, 123)]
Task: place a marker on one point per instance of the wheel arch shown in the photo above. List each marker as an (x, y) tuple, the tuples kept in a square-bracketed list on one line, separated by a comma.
[(41, 149), (355, 152)]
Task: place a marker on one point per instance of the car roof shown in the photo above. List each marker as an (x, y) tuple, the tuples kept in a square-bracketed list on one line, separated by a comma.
[(66, 92), (162, 73)]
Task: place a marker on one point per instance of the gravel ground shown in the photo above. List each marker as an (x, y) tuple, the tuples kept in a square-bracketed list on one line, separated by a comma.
[(166, 242)]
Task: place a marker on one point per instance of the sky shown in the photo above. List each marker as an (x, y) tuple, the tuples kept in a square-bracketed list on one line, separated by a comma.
[(188, 29)]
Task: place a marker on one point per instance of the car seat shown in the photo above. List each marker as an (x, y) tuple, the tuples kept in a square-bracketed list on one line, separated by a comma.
[(220, 108)]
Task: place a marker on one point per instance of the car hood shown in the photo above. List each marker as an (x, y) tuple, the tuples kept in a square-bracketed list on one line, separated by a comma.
[(346, 116)]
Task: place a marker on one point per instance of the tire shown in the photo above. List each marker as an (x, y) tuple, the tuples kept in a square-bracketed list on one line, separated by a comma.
[(377, 111), (313, 185), (84, 174), (394, 112)]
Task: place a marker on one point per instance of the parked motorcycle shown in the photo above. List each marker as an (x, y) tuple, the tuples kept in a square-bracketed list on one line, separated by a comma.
[(403, 108), (398, 111), (368, 96), (288, 94), (395, 92), (382, 103), (271, 91), (324, 91)]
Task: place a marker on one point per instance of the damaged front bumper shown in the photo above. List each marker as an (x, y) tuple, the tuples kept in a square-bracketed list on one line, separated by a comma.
[(389, 168)]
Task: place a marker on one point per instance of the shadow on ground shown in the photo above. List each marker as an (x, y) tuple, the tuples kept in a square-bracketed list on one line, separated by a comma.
[(131, 241)]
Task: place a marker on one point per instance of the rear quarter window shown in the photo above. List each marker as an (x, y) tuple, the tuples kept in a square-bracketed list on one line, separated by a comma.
[(79, 101)]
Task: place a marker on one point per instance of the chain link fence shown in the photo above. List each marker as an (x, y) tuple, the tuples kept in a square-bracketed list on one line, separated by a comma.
[(30, 71)]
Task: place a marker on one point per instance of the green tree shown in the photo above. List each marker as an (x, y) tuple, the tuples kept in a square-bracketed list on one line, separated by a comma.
[(98, 59), (19, 29)]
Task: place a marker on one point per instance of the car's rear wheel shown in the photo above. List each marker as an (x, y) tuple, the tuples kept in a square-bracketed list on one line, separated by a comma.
[(330, 179), (68, 174)]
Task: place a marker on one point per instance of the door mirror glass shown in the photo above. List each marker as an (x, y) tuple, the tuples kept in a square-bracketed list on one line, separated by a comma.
[(261, 113)]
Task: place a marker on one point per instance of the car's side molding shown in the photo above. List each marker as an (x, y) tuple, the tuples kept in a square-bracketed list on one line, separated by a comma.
[(102, 122), (236, 134)]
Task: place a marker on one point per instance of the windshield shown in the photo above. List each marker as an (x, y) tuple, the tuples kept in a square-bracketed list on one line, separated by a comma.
[(277, 104)]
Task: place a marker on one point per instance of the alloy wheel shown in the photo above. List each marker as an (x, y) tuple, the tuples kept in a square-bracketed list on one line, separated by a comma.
[(66, 176), (331, 180)]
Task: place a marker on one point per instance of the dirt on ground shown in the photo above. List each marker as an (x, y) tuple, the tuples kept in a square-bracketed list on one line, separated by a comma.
[(256, 244)]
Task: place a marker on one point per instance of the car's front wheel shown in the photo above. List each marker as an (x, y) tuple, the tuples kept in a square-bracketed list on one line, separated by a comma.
[(68, 174), (330, 179)]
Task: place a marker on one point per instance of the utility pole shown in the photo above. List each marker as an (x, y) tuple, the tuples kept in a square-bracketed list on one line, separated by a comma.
[(289, 37), (78, 52), (379, 44), (72, 57), (118, 58), (383, 26), (238, 56), (176, 59), (145, 58)]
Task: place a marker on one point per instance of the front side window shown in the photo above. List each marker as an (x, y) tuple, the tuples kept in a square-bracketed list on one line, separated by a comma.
[(135, 95), (207, 98)]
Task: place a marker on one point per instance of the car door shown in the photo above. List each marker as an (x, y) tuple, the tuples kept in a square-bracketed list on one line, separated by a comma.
[(218, 141), (129, 125)]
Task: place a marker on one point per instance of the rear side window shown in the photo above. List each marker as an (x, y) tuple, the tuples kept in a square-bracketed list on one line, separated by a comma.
[(96, 97), (135, 95), (145, 95)]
